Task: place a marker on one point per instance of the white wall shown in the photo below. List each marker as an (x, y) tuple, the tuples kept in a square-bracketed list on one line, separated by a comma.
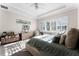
[(78, 17), (8, 21)]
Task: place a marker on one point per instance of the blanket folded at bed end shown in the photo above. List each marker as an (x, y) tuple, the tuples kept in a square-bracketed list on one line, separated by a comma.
[(51, 49)]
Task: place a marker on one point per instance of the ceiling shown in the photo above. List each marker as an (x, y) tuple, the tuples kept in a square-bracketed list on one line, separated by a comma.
[(43, 8)]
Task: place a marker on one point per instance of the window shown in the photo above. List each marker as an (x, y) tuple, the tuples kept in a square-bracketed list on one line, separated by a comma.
[(53, 25), (62, 24), (48, 26), (58, 24), (23, 25), (42, 26), (25, 28)]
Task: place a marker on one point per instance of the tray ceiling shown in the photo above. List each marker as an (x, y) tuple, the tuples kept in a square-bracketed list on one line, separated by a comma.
[(37, 9)]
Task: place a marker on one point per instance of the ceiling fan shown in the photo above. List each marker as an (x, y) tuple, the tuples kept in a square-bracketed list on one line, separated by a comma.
[(37, 5)]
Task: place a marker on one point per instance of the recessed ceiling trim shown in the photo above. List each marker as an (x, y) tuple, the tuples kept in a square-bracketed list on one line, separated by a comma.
[(62, 7), (27, 10), (16, 10), (57, 12)]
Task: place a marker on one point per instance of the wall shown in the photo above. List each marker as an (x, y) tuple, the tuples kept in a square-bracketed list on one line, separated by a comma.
[(8, 21), (78, 17), (72, 14)]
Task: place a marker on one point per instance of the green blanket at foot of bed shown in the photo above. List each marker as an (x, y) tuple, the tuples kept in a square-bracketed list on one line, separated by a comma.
[(51, 49)]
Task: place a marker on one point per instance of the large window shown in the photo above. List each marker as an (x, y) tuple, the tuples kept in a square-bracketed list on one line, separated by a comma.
[(53, 25), (58, 24), (42, 26), (62, 24), (48, 26)]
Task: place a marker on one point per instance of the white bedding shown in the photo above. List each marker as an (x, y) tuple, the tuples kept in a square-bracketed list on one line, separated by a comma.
[(48, 38)]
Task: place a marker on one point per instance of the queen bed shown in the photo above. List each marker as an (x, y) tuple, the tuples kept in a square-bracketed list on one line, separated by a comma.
[(49, 45)]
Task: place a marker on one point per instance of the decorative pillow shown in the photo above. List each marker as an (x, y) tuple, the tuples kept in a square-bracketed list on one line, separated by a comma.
[(4, 33), (71, 39), (62, 39), (0, 42), (56, 39), (37, 33)]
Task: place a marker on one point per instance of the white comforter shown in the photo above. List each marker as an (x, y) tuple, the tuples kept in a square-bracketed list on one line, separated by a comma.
[(48, 38)]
